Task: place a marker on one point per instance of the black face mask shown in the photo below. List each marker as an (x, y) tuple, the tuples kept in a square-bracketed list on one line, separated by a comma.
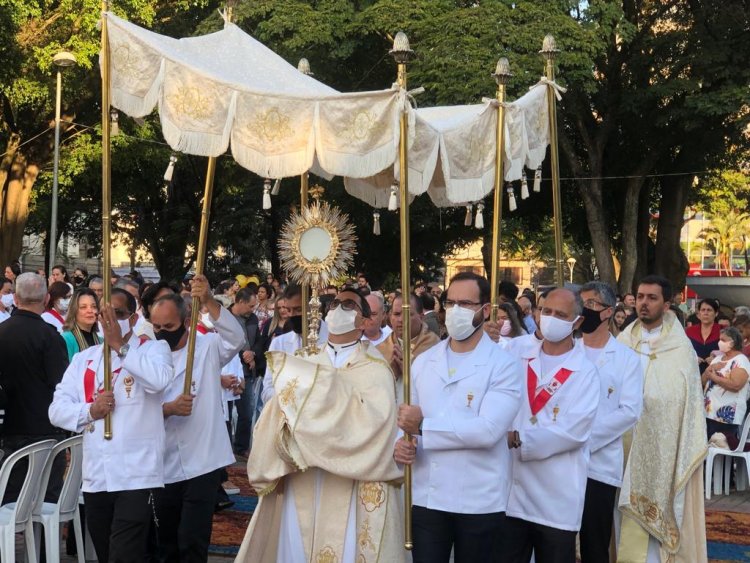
[(295, 321), (591, 320), (171, 337), (78, 280)]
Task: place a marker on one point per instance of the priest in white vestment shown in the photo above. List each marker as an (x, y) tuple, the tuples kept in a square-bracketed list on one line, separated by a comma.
[(322, 460), (661, 499)]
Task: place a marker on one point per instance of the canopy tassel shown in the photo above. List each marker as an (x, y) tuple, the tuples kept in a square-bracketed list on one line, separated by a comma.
[(511, 197), (393, 199), (538, 179), (479, 222), (170, 168), (267, 194), (276, 186), (467, 219), (524, 185), (376, 223)]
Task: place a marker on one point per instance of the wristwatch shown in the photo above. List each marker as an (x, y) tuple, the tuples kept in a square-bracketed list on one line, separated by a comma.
[(124, 349)]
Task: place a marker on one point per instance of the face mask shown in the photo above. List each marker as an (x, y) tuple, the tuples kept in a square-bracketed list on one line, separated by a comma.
[(124, 326), (340, 321), (724, 347), (591, 320), (7, 301), (63, 304), (295, 322), (554, 329), (171, 337), (506, 328), (459, 322), (78, 280), (206, 320)]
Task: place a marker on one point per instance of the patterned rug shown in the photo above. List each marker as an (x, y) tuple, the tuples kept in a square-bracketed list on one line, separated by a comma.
[(728, 533)]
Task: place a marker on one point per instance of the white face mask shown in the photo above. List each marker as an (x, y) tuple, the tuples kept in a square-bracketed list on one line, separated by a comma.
[(63, 304), (724, 347), (7, 300), (459, 322), (340, 321), (505, 328), (124, 326), (554, 329), (206, 320)]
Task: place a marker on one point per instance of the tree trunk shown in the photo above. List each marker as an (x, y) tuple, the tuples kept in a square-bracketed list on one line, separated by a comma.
[(17, 177), (591, 191), (644, 248), (670, 260)]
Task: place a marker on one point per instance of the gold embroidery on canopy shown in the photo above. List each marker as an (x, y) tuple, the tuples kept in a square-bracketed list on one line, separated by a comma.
[(190, 102), (360, 126), (372, 495), (272, 126), (326, 555)]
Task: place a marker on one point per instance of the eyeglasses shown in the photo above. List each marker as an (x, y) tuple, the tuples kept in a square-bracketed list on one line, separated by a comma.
[(346, 304), (461, 303), (591, 303)]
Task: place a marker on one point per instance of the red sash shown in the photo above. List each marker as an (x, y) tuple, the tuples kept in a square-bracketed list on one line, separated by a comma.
[(537, 402), (57, 315), (143, 339), (201, 329), (89, 381)]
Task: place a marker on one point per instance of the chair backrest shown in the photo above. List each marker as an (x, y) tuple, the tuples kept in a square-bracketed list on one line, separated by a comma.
[(743, 436), (37, 455), (68, 499)]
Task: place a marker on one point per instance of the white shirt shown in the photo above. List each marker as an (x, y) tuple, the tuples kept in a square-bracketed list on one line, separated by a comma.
[(385, 332), (51, 318), (550, 468), (199, 443), (232, 367), (726, 406), (134, 457), (288, 343), (4, 316), (620, 403), (462, 455)]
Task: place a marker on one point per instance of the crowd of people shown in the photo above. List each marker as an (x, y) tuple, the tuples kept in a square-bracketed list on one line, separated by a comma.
[(529, 424)]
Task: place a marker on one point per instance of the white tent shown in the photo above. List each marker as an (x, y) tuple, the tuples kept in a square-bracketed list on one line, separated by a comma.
[(227, 90)]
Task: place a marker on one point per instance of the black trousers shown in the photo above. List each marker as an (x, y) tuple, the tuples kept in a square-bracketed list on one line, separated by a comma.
[(520, 538), (185, 512), (12, 444), (596, 526), (473, 537), (119, 524)]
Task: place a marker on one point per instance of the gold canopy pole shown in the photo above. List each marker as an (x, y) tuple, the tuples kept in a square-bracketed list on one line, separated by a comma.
[(549, 51), (200, 260), (402, 54), (106, 206), (502, 76), (304, 67)]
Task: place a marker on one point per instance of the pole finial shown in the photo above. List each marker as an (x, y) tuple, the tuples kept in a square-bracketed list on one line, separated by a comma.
[(502, 74), (549, 47), (401, 51), (304, 66)]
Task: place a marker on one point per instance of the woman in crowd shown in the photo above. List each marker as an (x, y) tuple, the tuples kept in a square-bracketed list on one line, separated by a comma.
[(510, 326), (742, 323), (59, 274), (80, 276), (12, 271), (705, 334), (264, 310), (277, 324), (57, 305), (80, 323), (618, 320), (725, 382)]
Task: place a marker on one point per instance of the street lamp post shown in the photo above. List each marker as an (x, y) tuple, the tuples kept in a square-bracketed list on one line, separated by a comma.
[(61, 60), (571, 264)]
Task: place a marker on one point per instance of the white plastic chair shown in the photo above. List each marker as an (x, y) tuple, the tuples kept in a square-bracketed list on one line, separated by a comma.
[(714, 462), (16, 516), (51, 515)]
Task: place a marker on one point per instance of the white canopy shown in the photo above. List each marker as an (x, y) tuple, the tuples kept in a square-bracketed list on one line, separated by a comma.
[(226, 89)]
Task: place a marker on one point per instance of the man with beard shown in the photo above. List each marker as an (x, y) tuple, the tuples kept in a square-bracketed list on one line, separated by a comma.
[(290, 342), (661, 499)]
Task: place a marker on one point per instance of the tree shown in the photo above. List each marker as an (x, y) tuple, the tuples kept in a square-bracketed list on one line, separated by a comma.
[(727, 233)]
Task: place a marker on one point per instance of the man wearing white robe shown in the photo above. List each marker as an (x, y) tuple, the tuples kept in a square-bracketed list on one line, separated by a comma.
[(321, 458), (661, 499)]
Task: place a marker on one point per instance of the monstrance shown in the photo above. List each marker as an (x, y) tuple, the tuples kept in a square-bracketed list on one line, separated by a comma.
[(317, 244)]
